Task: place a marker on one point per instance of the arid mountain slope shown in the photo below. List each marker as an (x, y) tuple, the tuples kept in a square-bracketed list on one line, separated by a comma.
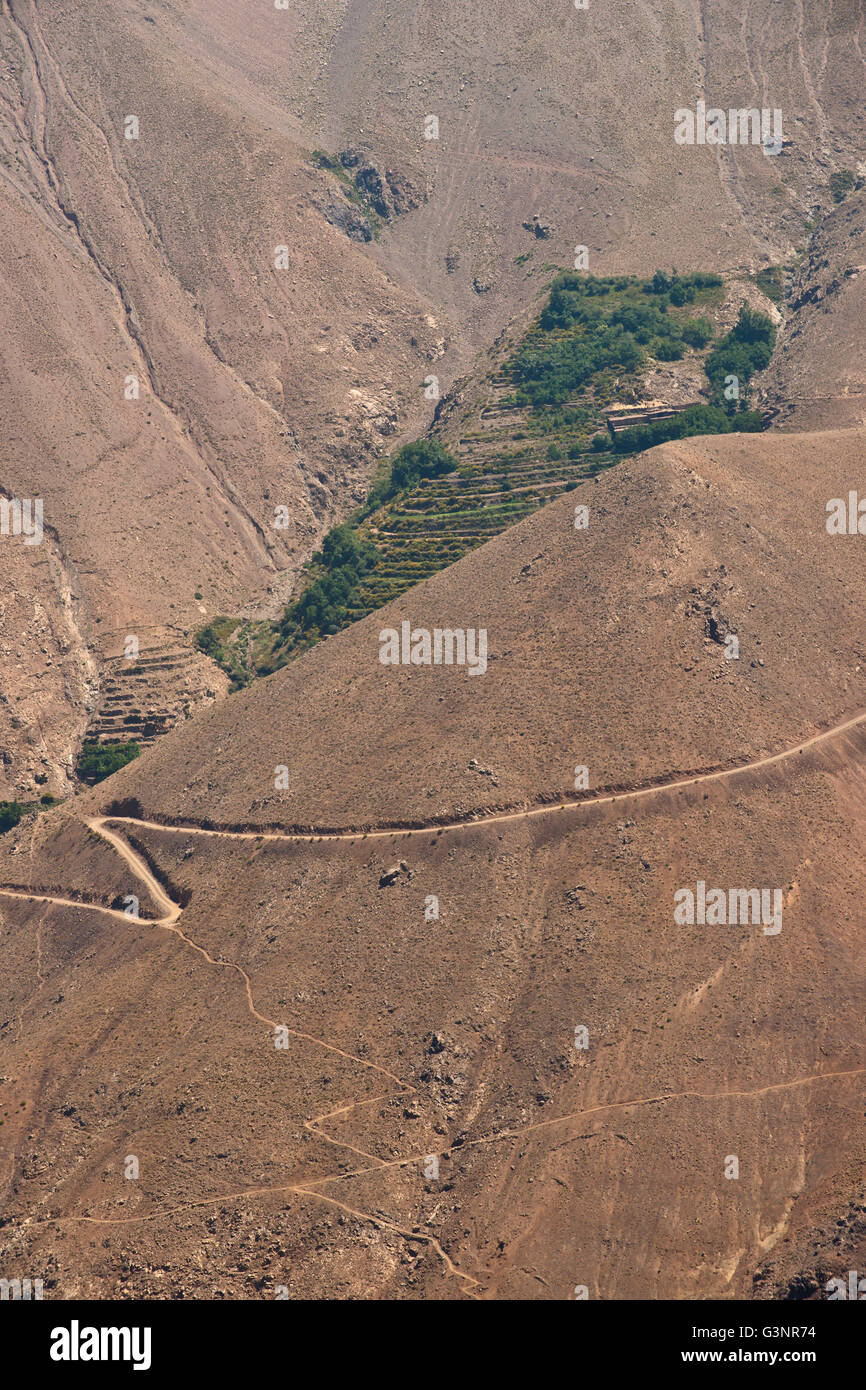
[(600, 652), (817, 379), (570, 113), (165, 387), (154, 257), (434, 985), (354, 985)]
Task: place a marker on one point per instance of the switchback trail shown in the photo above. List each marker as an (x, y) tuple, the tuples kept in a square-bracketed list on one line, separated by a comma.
[(172, 913)]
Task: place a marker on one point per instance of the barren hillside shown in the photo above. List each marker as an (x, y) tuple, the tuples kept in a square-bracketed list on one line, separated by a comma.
[(817, 378), (605, 648), (431, 982), (534, 973), (154, 160), (166, 387)]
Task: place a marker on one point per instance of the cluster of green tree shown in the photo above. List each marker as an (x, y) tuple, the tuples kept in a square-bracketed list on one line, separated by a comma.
[(698, 419), (571, 296), (696, 332), (572, 451), (96, 761), (323, 607), (426, 458), (742, 352), (10, 814), (643, 320), (548, 372), (680, 289), (207, 641), (215, 640), (595, 323), (346, 556), (12, 811), (570, 292)]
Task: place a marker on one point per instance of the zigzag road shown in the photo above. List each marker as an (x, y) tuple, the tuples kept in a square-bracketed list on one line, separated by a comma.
[(172, 912)]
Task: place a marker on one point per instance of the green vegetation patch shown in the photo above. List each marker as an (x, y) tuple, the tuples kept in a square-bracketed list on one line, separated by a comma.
[(592, 324), (96, 761), (771, 282), (535, 437), (215, 641), (424, 460), (747, 349), (12, 811), (698, 419), (324, 607), (350, 188), (10, 814)]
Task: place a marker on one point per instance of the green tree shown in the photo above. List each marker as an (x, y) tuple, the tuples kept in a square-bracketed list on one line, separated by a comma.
[(10, 814)]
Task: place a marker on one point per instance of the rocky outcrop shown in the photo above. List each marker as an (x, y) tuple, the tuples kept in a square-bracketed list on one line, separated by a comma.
[(390, 193), (341, 214)]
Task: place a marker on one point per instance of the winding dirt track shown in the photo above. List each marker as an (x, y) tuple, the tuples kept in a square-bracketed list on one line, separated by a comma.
[(310, 1188), (576, 803)]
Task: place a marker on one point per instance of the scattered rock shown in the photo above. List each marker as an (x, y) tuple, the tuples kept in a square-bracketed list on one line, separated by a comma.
[(391, 875), (368, 181), (542, 230), (404, 195)]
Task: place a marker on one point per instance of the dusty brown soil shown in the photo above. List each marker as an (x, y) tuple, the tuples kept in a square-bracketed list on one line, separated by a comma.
[(455, 1036), (259, 388), (599, 653), (430, 1129)]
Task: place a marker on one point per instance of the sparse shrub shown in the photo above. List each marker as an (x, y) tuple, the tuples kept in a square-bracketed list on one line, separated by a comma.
[(770, 281), (696, 332), (668, 350), (841, 184), (206, 640)]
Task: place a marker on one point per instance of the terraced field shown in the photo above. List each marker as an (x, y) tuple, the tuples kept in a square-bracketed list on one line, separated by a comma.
[(524, 429), (504, 472)]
